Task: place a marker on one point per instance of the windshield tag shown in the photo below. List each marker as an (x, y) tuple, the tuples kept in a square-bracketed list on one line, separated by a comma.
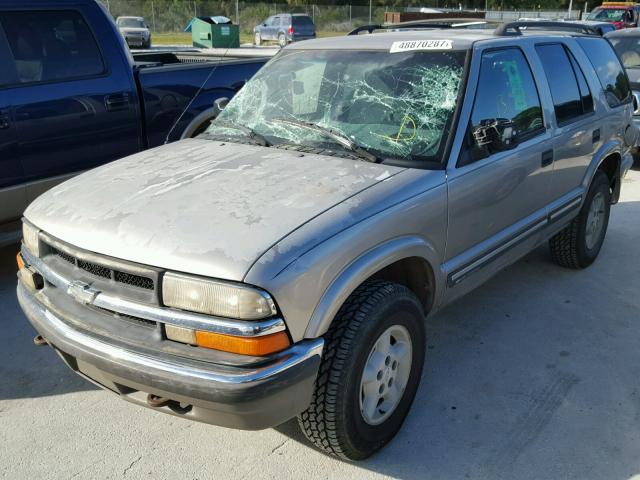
[(409, 45)]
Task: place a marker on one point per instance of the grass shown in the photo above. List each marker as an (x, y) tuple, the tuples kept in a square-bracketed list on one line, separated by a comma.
[(182, 38)]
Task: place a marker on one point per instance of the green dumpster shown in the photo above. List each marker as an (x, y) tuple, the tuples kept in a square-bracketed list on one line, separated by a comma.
[(208, 32)]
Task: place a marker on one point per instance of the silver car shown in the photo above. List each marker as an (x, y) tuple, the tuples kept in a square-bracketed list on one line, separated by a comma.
[(282, 263), (135, 31)]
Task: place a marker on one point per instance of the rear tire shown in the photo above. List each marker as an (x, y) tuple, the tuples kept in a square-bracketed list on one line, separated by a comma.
[(257, 39), (282, 40), (578, 244), (370, 371)]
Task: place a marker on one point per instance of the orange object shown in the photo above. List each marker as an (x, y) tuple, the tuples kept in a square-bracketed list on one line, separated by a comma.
[(256, 346), (20, 261)]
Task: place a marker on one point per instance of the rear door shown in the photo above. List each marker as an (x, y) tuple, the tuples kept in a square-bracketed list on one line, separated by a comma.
[(72, 110), (12, 191), (578, 134)]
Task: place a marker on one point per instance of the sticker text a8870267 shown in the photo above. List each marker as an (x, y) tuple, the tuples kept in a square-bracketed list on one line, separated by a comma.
[(409, 45)]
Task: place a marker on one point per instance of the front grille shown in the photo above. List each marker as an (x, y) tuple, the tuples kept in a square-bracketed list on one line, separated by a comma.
[(133, 280), (96, 270)]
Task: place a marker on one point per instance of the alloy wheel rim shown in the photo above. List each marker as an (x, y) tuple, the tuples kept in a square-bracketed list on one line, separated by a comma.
[(385, 375), (595, 220)]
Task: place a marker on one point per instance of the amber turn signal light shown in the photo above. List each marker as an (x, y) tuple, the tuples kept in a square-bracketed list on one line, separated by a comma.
[(255, 346), (20, 261)]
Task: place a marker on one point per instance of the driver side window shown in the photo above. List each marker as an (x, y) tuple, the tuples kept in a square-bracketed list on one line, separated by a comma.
[(506, 109)]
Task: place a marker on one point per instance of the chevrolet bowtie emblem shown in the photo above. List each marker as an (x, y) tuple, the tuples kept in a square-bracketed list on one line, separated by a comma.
[(82, 292)]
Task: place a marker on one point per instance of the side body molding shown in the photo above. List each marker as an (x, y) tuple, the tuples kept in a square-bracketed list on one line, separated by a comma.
[(364, 267)]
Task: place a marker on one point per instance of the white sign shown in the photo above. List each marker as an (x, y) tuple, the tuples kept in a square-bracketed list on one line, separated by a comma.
[(409, 45)]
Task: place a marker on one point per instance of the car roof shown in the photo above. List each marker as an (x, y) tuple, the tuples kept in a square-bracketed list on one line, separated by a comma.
[(461, 39)]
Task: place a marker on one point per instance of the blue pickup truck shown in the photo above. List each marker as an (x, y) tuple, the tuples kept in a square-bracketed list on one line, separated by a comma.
[(72, 96)]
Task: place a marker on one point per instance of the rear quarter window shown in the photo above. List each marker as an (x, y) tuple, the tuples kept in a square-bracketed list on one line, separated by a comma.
[(608, 68)]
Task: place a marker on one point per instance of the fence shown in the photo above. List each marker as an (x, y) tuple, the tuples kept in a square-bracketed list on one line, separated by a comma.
[(165, 16)]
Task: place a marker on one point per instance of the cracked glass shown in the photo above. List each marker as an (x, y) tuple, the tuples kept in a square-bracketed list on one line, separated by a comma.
[(394, 105)]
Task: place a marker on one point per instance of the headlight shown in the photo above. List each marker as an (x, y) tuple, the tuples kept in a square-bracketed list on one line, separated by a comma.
[(216, 298), (30, 238)]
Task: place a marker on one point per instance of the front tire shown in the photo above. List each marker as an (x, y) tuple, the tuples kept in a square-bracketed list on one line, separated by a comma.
[(257, 39), (370, 371), (578, 245)]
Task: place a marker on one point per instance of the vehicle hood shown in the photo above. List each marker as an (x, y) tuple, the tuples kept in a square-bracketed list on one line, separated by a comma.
[(133, 30), (199, 206)]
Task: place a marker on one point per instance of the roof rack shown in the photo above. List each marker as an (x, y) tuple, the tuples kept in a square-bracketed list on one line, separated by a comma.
[(388, 26), (513, 28)]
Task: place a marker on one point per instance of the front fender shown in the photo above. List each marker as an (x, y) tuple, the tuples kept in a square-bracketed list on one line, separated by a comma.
[(360, 270)]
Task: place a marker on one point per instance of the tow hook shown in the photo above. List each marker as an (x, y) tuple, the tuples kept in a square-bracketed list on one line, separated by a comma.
[(157, 402), (39, 340)]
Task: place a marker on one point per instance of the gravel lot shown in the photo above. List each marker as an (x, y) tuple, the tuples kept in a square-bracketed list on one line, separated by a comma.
[(534, 375)]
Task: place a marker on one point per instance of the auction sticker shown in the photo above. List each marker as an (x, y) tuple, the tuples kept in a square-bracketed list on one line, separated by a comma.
[(410, 45)]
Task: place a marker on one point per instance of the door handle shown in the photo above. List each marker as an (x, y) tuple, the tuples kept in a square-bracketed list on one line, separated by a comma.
[(595, 136), (4, 119), (547, 158), (117, 101)]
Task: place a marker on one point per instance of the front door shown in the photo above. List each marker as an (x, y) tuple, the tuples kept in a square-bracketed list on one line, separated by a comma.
[(498, 191)]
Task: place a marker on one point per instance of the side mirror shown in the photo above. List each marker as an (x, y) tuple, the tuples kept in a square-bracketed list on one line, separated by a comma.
[(494, 135), (219, 105)]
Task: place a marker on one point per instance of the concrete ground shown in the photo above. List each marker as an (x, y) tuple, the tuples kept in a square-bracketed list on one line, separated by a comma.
[(534, 375)]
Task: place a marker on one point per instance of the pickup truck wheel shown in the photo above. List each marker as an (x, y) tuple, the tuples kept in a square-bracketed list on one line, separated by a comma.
[(578, 244), (370, 371), (257, 39)]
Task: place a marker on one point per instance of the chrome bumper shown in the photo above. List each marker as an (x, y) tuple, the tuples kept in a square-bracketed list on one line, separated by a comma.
[(248, 398)]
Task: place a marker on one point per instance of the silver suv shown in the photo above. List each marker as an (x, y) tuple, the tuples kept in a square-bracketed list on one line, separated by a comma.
[(282, 263)]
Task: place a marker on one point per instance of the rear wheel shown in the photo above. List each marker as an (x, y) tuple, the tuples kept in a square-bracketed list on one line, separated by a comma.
[(370, 371), (257, 39), (578, 244), (282, 40)]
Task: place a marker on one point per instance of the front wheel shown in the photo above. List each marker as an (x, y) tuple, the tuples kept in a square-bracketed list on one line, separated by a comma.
[(370, 371), (257, 39), (578, 244)]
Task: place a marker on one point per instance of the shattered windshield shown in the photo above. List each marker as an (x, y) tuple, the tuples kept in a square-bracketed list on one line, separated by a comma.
[(394, 105)]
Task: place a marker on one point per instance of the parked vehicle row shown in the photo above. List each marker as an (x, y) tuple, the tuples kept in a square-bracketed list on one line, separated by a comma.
[(72, 96), (282, 263)]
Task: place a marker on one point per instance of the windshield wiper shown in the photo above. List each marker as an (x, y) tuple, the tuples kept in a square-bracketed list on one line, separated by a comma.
[(250, 132), (340, 138)]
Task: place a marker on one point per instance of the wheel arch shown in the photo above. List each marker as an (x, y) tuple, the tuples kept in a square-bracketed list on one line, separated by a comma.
[(406, 260), (607, 159), (199, 120)]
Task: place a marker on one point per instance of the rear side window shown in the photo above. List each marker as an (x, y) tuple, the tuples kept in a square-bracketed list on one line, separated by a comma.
[(570, 93), (612, 76), (51, 45)]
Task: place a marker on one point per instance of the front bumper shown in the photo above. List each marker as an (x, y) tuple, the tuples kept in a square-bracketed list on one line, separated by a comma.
[(246, 398)]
